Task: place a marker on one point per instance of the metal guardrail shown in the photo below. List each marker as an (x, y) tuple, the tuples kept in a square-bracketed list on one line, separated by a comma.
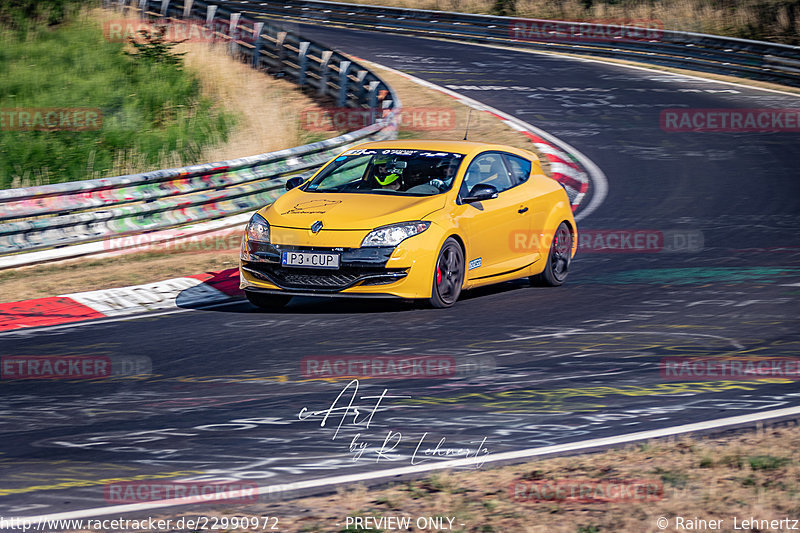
[(65, 214), (695, 51)]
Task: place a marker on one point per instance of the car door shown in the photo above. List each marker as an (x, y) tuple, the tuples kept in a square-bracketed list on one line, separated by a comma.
[(534, 241), (489, 226)]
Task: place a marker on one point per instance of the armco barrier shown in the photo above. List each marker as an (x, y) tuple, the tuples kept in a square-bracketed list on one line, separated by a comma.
[(695, 51), (69, 215)]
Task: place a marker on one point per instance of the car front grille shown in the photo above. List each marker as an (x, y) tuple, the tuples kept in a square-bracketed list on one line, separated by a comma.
[(323, 279)]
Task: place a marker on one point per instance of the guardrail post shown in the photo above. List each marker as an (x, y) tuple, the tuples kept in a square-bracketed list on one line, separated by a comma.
[(372, 98), (386, 104), (258, 27), (344, 66), (360, 76), (187, 8), (302, 61), (232, 30), (164, 7), (211, 11), (280, 51), (324, 72)]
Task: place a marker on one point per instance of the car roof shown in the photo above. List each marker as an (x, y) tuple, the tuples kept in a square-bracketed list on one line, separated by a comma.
[(459, 147)]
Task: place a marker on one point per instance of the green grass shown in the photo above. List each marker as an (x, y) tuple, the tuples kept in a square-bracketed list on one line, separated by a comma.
[(673, 478), (149, 111), (767, 462), (22, 15)]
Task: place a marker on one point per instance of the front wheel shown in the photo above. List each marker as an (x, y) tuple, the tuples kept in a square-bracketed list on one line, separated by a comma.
[(267, 301), (557, 267), (448, 276)]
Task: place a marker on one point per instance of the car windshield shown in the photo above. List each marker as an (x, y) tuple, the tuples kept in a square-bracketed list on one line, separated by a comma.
[(384, 171)]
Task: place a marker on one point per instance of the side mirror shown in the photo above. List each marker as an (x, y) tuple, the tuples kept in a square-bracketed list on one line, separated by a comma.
[(293, 182), (480, 192)]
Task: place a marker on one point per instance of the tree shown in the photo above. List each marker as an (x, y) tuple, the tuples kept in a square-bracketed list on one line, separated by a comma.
[(155, 48)]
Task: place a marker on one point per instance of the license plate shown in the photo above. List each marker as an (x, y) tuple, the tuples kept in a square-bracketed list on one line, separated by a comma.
[(310, 260)]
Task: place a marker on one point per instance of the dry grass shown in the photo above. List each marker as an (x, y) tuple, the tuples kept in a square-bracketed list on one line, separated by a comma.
[(269, 109), (750, 475), (104, 273), (777, 20)]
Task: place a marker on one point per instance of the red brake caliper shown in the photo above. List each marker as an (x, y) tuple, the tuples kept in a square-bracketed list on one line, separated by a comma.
[(438, 274)]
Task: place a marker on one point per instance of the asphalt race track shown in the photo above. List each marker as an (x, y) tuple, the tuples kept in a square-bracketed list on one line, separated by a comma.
[(537, 366)]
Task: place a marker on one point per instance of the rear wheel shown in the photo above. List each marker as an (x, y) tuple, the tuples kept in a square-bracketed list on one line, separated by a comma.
[(557, 267), (267, 301), (448, 276)]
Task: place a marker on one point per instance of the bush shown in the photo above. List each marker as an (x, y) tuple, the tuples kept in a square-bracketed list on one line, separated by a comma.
[(22, 15), (151, 111)]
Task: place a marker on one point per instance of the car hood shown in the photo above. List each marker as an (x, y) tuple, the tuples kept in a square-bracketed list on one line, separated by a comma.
[(348, 211)]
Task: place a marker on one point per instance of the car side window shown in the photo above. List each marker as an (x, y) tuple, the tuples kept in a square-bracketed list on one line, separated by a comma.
[(488, 169), (520, 168)]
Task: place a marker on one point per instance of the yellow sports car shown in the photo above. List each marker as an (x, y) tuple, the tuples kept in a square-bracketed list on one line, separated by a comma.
[(410, 219)]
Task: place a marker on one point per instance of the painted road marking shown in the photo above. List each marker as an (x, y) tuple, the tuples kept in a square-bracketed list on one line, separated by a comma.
[(418, 469)]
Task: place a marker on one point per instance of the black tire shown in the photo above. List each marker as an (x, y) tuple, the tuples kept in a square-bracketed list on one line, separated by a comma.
[(558, 259), (448, 275), (267, 301)]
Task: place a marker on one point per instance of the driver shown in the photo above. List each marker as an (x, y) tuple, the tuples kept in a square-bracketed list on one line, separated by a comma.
[(387, 174)]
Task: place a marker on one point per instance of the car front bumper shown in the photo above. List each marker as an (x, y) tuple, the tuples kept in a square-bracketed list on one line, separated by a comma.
[(404, 271)]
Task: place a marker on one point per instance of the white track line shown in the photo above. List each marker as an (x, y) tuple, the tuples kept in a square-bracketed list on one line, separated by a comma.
[(645, 68), (418, 469), (577, 57)]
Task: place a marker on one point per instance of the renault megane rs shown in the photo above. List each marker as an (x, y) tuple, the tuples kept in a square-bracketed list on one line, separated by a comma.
[(410, 219)]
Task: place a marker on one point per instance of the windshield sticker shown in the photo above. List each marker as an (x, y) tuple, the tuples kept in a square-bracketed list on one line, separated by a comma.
[(312, 207), (399, 152), (341, 158), (439, 154)]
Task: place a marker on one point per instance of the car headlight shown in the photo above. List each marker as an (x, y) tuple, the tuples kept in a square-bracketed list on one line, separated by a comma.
[(257, 229), (394, 234), (256, 232)]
